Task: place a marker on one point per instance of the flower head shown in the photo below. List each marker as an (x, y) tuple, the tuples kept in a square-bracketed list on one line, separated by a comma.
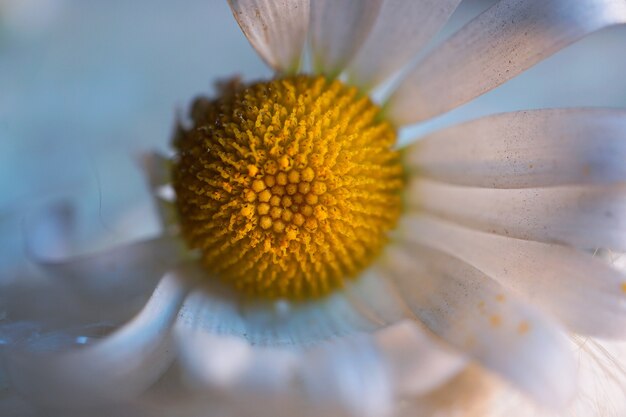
[(308, 265), (287, 187)]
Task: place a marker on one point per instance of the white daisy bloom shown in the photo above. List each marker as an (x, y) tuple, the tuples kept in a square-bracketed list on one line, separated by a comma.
[(308, 267)]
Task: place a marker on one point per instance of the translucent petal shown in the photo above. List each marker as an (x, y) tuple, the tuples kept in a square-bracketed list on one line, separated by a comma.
[(226, 344), (585, 293), (156, 168), (230, 362), (119, 274), (118, 367), (219, 310), (348, 373), (276, 29), (527, 149), (400, 32), (479, 317), (505, 40), (51, 231), (587, 217), (338, 29), (416, 360)]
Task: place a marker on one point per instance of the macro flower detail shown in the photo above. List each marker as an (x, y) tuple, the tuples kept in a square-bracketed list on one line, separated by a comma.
[(287, 187), (310, 265)]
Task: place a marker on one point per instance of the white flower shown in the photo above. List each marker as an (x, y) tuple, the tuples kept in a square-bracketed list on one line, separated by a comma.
[(503, 251)]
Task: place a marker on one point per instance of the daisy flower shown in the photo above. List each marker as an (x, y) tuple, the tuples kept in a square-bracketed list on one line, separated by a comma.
[(311, 265)]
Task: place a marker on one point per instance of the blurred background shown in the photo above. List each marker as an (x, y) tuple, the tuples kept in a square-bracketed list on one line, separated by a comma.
[(87, 85)]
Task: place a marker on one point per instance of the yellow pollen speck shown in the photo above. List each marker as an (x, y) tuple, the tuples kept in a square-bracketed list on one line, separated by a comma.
[(252, 170), (270, 167), (247, 210), (298, 219), (523, 328), (275, 201), (319, 188), (304, 187), (265, 196), (500, 298), (281, 178), (288, 188), (284, 162), (266, 222), (258, 186), (311, 199), (624, 287), (308, 174), (250, 196), (495, 320), (270, 180), (294, 177), (263, 208), (275, 212)]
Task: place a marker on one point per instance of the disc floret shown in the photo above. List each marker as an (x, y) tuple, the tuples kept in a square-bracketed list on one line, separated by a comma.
[(287, 187)]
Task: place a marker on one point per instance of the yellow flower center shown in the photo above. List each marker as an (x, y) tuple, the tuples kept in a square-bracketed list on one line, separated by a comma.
[(287, 187)]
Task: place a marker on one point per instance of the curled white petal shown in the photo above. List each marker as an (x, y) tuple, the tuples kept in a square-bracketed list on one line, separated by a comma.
[(329, 354), (586, 294), (505, 40), (230, 362), (535, 148), (156, 168), (276, 29), (477, 316), (348, 373), (587, 217), (116, 275), (219, 310), (338, 29), (116, 368), (402, 30), (417, 363)]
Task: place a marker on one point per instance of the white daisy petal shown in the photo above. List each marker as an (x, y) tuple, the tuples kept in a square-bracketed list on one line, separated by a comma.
[(51, 231), (276, 29), (117, 275), (230, 343), (338, 29), (118, 367), (156, 169), (505, 40), (477, 316), (535, 148), (219, 310), (585, 293), (587, 217), (417, 362), (229, 362), (401, 30), (348, 373)]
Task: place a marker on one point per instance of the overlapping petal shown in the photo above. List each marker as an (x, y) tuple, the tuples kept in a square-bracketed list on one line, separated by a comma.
[(117, 275), (499, 44), (536, 148), (338, 28), (478, 316), (588, 217), (585, 293), (276, 29), (118, 367), (401, 31)]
